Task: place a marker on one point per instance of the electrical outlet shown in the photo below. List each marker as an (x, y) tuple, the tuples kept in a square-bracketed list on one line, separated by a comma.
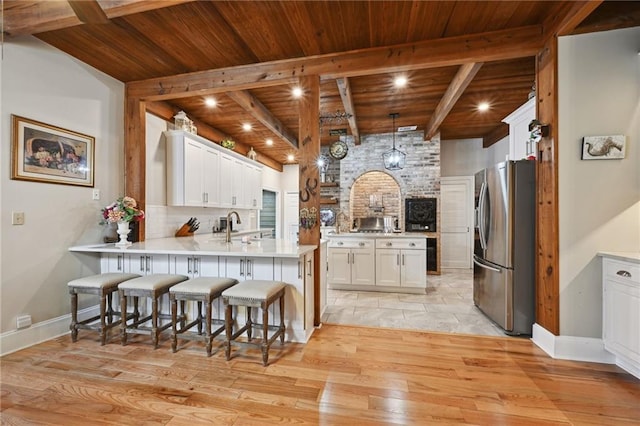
[(17, 218), (96, 194), (23, 321)]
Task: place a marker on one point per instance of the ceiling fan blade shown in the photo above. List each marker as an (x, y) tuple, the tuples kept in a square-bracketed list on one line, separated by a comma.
[(89, 11)]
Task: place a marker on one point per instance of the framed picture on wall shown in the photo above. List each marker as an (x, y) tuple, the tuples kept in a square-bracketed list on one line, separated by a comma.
[(603, 147), (45, 153)]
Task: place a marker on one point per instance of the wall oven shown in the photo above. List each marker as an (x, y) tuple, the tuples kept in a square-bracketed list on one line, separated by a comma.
[(420, 214)]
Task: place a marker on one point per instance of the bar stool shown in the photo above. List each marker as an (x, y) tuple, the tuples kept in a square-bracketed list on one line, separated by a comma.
[(152, 286), (254, 294), (201, 290), (103, 285)]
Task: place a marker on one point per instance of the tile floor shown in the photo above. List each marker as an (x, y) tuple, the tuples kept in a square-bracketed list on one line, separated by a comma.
[(446, 306)]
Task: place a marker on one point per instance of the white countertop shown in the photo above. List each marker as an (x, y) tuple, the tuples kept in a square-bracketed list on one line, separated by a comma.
[(633, 257), (379, 235), (205, 245)]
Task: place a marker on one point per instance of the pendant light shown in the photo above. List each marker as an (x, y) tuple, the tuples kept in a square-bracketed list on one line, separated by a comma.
[(394, 159)]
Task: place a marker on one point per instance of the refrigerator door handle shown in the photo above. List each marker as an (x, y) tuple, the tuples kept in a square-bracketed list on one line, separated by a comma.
[(482, 204), (481, 264)]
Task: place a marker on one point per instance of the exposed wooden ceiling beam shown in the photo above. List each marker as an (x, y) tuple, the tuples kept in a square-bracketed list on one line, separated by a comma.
[(573, 13), (495, 135), (347, 101), (456, 88), (88, 11), (166, 111), (22, 18), (253, 106), (483, 47)]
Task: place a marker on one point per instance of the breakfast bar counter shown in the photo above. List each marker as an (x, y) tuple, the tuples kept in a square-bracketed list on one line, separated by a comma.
[(207, 255)]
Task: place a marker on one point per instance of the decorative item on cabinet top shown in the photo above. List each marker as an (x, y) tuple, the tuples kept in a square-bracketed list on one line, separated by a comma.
[(228, 143)]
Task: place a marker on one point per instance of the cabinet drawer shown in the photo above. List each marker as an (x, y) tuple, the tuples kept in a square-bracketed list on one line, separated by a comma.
[(350, 243), (402, 243), (625, 272)]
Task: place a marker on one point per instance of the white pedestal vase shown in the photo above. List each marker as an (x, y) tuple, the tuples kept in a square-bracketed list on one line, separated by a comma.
[(123, 232)]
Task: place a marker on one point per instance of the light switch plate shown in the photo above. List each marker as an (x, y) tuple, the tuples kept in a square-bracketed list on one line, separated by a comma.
[(17, 218), (96, 194)]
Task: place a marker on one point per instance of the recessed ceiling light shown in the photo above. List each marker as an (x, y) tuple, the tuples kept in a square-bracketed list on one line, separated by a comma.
[(269, 142), (290, 157), (296, 92), (246, 127), (400, 81), (483, 106), (210, 102)]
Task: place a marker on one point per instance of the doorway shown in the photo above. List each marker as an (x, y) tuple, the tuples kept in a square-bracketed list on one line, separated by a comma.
[(268, 213), (456, 231)]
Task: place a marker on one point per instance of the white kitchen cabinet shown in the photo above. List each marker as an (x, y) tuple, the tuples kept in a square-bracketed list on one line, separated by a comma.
[(143, 264), (248, 268), (195, 266), (351, 262), (401, 262), (201, 173), (192, 171), (621, 312), (520, 144)]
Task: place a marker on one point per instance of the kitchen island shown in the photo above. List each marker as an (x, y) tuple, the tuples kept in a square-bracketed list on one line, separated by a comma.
[(208, 255), (389, 262)]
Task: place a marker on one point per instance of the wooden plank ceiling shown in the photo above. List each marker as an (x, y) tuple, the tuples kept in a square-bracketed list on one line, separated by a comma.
[(134, 40)]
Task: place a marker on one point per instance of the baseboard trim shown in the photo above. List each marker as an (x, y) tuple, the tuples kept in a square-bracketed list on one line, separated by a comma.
[(571, 347), (14, 340)]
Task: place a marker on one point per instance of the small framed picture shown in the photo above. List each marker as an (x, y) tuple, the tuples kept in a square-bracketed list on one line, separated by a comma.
[(603, 147), (50, 154)]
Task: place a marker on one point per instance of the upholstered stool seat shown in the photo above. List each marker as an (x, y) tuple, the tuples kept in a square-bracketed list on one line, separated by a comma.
[(103, 285), (254, 294), (152, 286), (202, 290)]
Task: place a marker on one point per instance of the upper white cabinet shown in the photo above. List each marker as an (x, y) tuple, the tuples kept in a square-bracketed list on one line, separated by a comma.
[(520, 144), (201, 173)]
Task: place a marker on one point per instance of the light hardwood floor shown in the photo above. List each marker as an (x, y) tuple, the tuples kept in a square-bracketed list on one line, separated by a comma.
[(345, 375)]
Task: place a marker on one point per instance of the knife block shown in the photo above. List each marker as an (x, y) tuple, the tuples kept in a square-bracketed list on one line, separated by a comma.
[(184, 231)]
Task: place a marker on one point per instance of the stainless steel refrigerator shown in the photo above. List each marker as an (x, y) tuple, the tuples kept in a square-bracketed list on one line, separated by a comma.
[(504, 251)]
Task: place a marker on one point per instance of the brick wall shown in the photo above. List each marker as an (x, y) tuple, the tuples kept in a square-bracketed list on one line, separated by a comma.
[(375, 194), (419, 178)]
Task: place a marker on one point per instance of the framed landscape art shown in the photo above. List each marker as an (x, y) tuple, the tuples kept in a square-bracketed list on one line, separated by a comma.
[(45, 153)]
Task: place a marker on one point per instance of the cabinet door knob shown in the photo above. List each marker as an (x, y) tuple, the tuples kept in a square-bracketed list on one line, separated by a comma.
[(361, 244), (340, 243), (624, 273), (389, 244), (412, 244)]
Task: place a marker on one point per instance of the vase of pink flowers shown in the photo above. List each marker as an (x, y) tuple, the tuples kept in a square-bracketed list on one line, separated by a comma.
[(123, 211)]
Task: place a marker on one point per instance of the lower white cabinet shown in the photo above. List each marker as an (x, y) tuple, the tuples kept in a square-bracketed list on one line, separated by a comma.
[(401, 262), (143, 264), (378, 264), (195, 266), (248, 268), (621, 312), (351, 262)]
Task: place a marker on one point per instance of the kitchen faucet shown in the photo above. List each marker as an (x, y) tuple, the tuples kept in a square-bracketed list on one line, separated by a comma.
[(229, 223)]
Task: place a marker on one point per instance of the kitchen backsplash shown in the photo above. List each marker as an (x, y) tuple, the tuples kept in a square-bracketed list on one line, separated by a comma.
[(164, 221)]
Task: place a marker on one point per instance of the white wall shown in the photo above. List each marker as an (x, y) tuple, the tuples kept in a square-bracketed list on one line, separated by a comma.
[(43, 84), (465, 157), (599, 94)]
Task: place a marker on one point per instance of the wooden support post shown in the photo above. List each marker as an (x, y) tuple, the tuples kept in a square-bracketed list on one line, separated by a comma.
[(135, 155), (547, 229), (308, 153)]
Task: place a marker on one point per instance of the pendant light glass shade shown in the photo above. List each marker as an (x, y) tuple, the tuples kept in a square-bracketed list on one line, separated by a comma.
[(394, 159)]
